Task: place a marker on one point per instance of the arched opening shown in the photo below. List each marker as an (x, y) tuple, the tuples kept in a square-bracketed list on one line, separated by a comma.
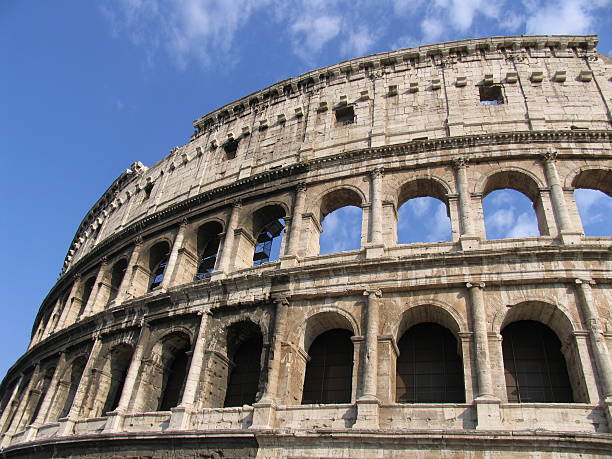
[(429, 367), (268, 231), (209, 238), (340, 217), (534, 366), (175, 361), (423, 213), (43, 387), (512, 206), (329, 371), (69, 385), (115, 370), (593, 195), (158, 260), (245, 344), (117, 274), (87, 289)]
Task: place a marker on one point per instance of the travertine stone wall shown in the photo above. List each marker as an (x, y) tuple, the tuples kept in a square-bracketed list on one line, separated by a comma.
[(104, 342)]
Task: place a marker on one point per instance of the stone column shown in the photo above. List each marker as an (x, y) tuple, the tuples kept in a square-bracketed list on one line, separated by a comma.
[(70, 309), (66, 426), (181, 414), (130, 270), (90, 307), (468, 238), (171, 266), (228, 241), (375, 248), (368, 403), (296, 222), (558, 199), (487, 405), (265, 410), (115, 418), (597, 338), (48, 399)]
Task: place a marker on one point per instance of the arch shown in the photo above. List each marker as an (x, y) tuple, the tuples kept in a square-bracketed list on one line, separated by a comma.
[(534, 366), (244, 350), (159, 254), (421, 187), (345, 195), (515, 178), (88, 287), (592, 177), (208, 241), (112, 378), (166, 376), (429, 366), (546, 313), (433, 311), (68, 386), (43, 386), (117, 273), (322, 320)]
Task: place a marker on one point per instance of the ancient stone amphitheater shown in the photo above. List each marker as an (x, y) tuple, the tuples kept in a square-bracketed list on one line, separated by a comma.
[(176, 331)]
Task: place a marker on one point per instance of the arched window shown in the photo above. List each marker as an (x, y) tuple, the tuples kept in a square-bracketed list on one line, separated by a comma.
[(429, 368), (329, 371), (87, 289), (158, 260), (43, 388), (268, 231), (340, 218), (208, 247), (117, 275), (70, 384), (116, 368), (175, 373), (593, 195), (245, 343), (509, 214), (423, 214), (534, 366)]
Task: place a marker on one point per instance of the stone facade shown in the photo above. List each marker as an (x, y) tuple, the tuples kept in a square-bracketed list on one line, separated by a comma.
[(136, 349)]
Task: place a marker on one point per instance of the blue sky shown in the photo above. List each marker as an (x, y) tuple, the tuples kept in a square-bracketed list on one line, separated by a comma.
[(90, 87)]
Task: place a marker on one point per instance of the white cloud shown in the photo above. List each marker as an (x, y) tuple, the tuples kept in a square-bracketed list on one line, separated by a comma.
[(526, 225), (419, 206), (562, 17), (500, 219), (440, 228), (431, 29), (358, 42), (312, 33)]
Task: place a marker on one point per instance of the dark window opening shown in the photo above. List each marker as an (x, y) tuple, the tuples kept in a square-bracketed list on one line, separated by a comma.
[(147, 191), (46, 383), (329, 372), (208, 259), (117, 275), (534, 366), (244, 377), (158, 273), (345, 115), (491, 95), (265, 250), (174, 379), (230, 147), (429, 369), (87, 289), (76, 371)]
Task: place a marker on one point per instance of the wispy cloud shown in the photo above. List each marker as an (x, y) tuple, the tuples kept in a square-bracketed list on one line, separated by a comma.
[(341, 230)]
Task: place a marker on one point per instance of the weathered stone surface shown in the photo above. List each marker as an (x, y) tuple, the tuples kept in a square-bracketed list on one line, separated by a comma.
[(134, 350)]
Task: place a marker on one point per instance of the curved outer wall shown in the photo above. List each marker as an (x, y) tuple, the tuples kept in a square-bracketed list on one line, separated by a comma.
[(286, 151)]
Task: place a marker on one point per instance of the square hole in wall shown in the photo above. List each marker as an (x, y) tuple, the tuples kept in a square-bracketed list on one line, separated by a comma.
[(345, 115), (230, 148), (491, 95)]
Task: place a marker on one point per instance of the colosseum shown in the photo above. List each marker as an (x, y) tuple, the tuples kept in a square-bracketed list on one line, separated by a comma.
[(196, 316)]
